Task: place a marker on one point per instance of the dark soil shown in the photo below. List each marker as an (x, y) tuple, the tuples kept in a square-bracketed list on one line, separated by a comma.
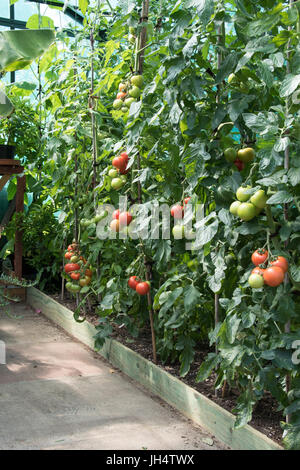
[(265, 419)]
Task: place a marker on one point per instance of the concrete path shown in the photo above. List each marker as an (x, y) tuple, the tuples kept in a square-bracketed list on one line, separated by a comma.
[(56, 393)]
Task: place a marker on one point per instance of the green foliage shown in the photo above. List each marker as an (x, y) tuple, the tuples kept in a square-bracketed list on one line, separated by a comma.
[(41, 241), (188, 115)]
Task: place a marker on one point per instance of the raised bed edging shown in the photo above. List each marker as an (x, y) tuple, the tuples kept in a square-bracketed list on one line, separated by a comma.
[(185, 399)]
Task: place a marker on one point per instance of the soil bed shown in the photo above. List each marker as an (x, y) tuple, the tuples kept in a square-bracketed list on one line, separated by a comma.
[(265, 419)]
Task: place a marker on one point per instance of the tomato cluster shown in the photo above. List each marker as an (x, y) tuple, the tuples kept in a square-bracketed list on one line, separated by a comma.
[(77, 270), (141, 287), (177, 212), (271, 274), (120, 220), (117, 174), (247, 207), (81, 201), (239, 157), (128, 93)]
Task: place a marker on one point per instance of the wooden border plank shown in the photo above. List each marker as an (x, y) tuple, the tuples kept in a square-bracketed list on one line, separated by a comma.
[(188, 401)]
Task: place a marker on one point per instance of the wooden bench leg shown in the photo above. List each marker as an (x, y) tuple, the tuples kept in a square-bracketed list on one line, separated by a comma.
[(21, 185)]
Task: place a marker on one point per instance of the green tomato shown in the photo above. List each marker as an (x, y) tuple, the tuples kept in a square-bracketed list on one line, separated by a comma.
[(124, 109), (75, 288), (69, 286), (256, 281), (113, 173), (116, 183), (178, 232), (137, 80), (128, 102), (242, 193), (246, 155), (246, 211), (84, 222), (117, 104), (259, 199), (230, 154), (234, 207), (190, 234), (134, 92)]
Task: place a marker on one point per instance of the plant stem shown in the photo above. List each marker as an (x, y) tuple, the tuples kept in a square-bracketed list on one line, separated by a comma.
[(139, 64), (220, 43)]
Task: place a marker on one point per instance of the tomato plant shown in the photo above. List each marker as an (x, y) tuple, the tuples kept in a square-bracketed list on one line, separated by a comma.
[(211, 110)]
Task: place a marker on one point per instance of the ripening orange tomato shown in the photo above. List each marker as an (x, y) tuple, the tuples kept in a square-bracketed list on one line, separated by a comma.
[(280, 262)]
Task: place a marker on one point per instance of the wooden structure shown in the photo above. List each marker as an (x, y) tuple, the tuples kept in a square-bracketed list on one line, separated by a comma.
[(8, 168)]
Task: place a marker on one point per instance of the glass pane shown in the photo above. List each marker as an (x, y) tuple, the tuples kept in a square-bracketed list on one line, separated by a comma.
[(59, 18), (4, 10), (26, 75), (23, 10)]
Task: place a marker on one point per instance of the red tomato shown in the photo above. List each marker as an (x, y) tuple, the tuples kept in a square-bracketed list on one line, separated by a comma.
[(121, 95), (124, 155), (69, 255), (259, 257), (75, 276), (142, 288), (187, 199), (119, 163), (239, 164), (88, 272), (280, 262), (273, 276), (72, 247), (132, 282), (125, 218), (116, 214), (177, 212), (69, 267)]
